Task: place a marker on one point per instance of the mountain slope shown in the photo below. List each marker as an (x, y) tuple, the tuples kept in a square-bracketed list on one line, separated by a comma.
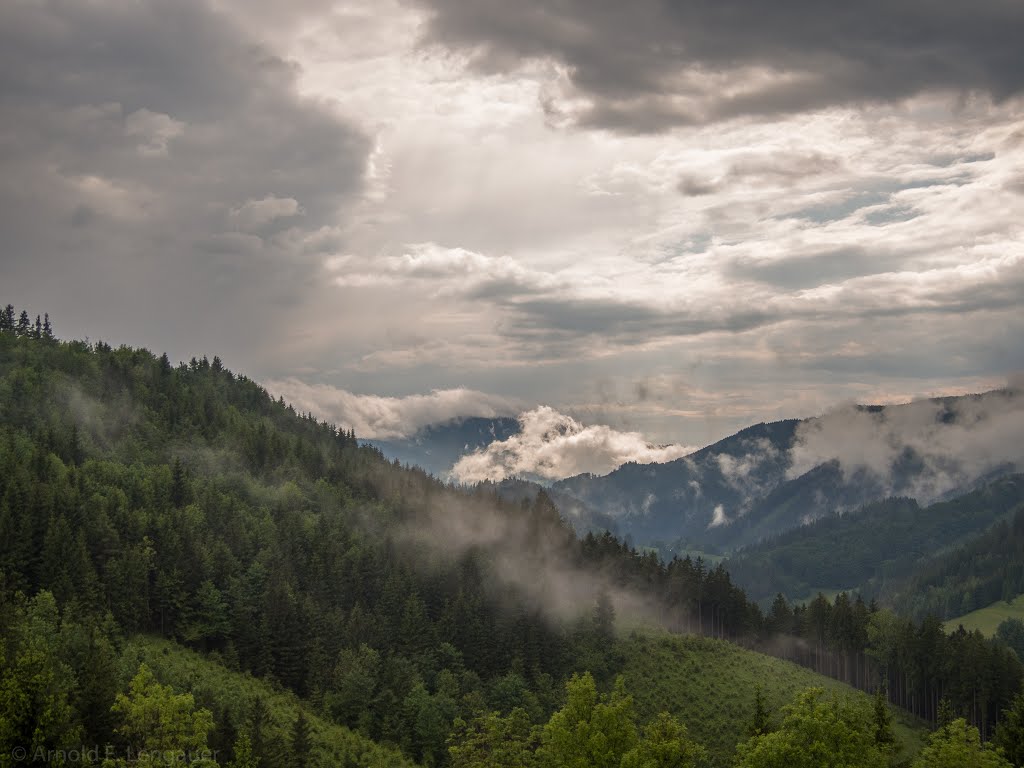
[(874, 549), (986, 568), (184, 502), (678, 500), (710, 684), (230, 696), (770, 478), (138, 497)]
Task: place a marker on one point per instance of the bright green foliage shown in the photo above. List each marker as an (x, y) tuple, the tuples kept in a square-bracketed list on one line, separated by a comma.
[(590, 731), (493, 741), (958, 745), (665, 744), (244, 758), (818, 732), (36, 710), (158, 722)]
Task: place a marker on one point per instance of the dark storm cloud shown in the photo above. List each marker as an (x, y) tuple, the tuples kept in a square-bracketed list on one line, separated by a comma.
[(162, 165), (645, 65), (560, 323)]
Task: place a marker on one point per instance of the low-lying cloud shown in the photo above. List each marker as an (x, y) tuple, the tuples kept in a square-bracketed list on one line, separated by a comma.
[(375, 417), (552, 445), (924, 449), (526, 556)]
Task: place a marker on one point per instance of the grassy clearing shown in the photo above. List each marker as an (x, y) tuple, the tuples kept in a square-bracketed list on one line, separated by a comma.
[(989, 618), (709, 684), (229, 695)]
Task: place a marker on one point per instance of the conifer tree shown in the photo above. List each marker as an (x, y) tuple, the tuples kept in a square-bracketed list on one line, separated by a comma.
[(179, 485), (301, 741), (761, 722), (945, 715), (884, 736), (243, 755)]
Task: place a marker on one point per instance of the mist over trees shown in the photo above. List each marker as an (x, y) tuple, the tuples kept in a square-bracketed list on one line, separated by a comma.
[(143, 502)]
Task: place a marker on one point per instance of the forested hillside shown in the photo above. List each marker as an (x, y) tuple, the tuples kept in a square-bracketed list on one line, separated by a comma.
[(380, 611), (183, 501), (987, 568), (876, 549), (437, 447)]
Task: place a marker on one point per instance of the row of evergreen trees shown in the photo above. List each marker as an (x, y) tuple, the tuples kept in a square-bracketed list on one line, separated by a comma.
[(23, 325), (917, 663)]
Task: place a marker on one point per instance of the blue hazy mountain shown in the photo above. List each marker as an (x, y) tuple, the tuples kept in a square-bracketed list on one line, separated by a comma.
[(437, 447), (746, 487)]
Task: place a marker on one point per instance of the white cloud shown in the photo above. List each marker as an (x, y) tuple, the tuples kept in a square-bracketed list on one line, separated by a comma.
[(955, 445), (376, 417), (553, 446)]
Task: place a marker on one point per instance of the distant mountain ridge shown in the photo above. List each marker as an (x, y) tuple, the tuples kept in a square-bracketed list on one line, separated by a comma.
[(437, 447), (768, 478)]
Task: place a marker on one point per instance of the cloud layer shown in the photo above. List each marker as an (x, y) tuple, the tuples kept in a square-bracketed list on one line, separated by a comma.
[(650, 65), (923, 449), (377, 418), (767, 209), (161, 160), (552, 446)]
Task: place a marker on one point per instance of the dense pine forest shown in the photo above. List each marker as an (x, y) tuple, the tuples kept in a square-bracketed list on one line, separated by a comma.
[(377, 615), (985, 570), (883, 547)]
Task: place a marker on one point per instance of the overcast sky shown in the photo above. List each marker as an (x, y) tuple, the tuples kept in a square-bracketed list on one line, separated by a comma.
[(673, 218)]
